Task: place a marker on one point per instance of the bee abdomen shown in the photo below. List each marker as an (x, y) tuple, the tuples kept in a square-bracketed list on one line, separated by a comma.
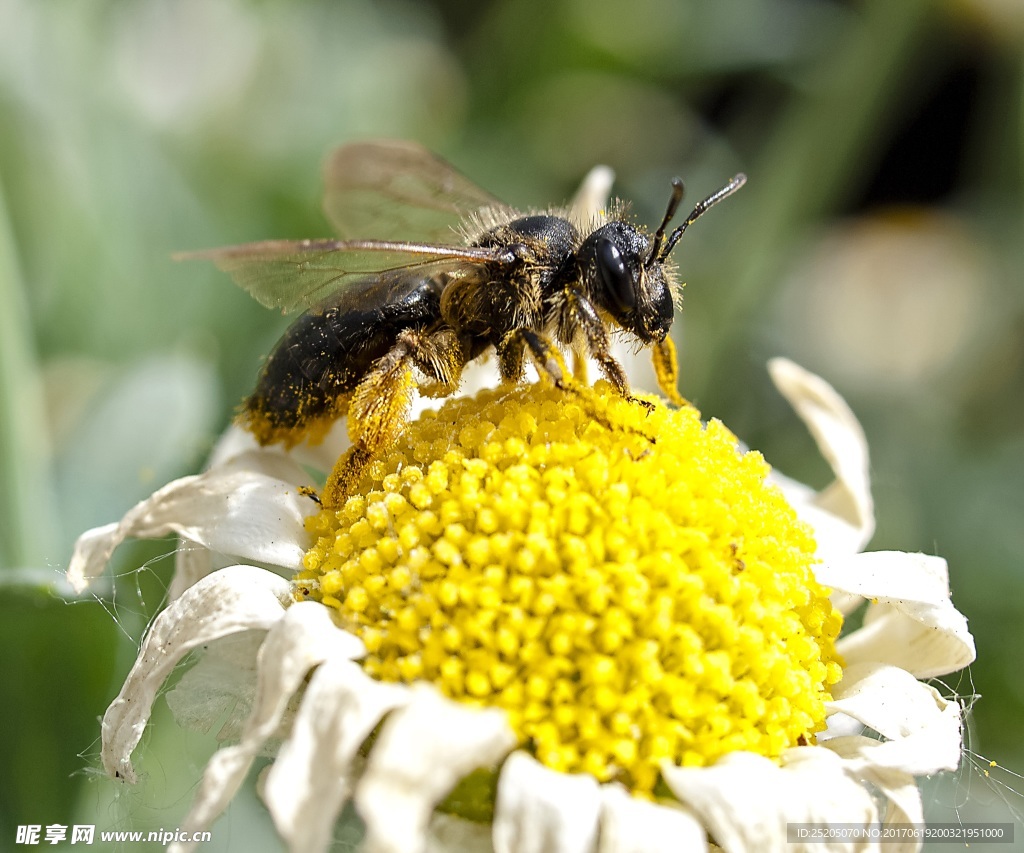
[(308, 378)]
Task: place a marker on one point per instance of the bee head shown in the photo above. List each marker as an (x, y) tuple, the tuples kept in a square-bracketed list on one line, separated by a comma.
[(629, 277), (636, 295)]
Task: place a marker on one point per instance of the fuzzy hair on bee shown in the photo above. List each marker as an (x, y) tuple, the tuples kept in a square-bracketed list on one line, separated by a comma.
[(502, 225), (431, 273)]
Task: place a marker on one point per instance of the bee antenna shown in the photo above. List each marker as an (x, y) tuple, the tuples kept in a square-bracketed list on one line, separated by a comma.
[(698, 211), (673, 206)]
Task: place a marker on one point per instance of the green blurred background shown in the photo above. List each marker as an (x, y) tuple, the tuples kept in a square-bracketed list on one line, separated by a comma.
[(880, 242)]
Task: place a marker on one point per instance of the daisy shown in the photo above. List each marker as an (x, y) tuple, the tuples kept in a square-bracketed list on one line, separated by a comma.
[(550, 621)]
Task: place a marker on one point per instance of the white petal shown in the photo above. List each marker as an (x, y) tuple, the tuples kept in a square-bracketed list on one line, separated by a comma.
[(912, 622), (233, 442), (927, 751), (237, 598), (236, 441), (922, 728), (91, 554), (630, 825), (220, 686), (592, 196), (423, 750), (904, 797), (249, 508), (899, 788), (538, 809), (925, 641), (842, 513), (310, 781), (192, 561), (302, 639), (746, 800)]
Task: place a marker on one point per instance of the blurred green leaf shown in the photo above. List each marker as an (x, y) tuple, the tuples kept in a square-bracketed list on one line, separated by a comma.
[(56, 674)]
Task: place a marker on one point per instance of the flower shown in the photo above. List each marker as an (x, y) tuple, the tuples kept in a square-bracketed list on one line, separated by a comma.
[(459, 521), (620, 581)]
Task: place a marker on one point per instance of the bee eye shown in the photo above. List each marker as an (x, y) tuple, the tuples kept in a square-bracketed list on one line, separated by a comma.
[(614, 275)]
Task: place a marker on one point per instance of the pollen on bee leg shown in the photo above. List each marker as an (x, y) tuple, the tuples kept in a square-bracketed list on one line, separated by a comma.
[(546, 357), (666, 369), (377, 414), (380, 404), (579, 365), (344, 477), (439, 356)]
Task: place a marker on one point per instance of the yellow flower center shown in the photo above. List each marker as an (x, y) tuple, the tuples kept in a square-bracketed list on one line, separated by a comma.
[(623, 583)]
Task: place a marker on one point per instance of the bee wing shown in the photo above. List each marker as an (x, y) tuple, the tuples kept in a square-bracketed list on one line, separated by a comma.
[(388, 189), (301, 274)]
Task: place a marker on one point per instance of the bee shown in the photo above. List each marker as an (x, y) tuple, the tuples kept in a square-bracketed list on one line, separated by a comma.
[(430, 273)]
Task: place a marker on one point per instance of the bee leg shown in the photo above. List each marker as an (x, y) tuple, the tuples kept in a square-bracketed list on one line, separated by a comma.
[(511, 352), (579, 365), (666, 368), (439, 356), (549, 361), (377, 411), (379, 407), (544, 353), (344, 477), (584, 316)]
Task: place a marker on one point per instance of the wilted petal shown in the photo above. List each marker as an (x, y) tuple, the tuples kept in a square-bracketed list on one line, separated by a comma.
[(926, 751), (897, 786), (238, 598), (539, 809), (249, 507), (904, 802), (631, 825), (92, 553), (423, 750), (842, 514), (192, 562), (220, 686), (746, 800), (903, 794), (922, 728), (309, 782), (912, 622), (303, 638)]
